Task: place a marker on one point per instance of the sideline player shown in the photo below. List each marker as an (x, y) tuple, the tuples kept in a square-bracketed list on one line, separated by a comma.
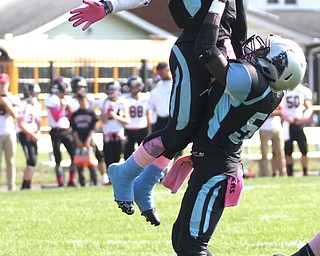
[(297, 105), (29, 122), (59, 108), (114, 115), (79, 85)]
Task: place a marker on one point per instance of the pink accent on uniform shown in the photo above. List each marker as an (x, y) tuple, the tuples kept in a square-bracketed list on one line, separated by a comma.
[(142, 157), (229, 49), (178, 173), (69, 114), (57, 114), (90, 14), (154, 147), (161, 162), (234, 190), (4, 78), (72, 176), (60, 180), (315, 244)]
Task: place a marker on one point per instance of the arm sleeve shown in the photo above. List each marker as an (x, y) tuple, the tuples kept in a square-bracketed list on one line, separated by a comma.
[(239, 29), (121, 5)]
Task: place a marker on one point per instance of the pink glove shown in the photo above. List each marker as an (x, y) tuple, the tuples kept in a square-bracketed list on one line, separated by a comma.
[(90, 14)]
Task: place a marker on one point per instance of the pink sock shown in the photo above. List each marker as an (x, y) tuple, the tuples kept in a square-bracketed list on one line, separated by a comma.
[(142, 157), (161, 162), (315, 244)]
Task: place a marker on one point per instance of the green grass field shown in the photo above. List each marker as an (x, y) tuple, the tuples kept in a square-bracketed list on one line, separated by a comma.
[(276, 215)]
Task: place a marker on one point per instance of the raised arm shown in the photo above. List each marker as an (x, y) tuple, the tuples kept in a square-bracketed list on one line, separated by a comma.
[(97, 10), (206, 45)]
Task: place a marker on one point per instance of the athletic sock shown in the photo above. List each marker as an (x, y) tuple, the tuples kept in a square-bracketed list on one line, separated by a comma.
[(290, 169)]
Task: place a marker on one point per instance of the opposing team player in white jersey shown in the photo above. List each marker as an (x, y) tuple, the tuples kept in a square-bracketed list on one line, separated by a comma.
[(139, 125), (114, 115), (297, 104), (28, 128)]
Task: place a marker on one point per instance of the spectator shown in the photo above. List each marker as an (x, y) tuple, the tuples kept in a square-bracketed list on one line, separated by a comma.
[(59, 111), (9, 106), (272, 130), (139, 125), (28, 121), (79, 85), (83, 123), (297, 105), (160, 95), (114, 115)]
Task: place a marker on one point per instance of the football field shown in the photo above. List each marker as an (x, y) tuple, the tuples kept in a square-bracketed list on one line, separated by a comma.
[(276, 215)]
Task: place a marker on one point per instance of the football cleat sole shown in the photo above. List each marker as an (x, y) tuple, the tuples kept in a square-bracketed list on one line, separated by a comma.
[(152, 217), (126, 207)]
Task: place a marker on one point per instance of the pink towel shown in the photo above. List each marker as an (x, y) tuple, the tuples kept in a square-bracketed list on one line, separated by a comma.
[(178, 173), (234, 190)]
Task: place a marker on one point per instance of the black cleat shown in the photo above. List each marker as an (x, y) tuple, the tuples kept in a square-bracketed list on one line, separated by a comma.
[(126, 207), (72, 184), (152, 216)]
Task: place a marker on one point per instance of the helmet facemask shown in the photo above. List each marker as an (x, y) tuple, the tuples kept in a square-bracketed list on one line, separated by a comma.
[(281, 60)]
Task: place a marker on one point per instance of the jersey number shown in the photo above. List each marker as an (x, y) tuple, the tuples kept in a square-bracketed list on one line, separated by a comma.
[(293, 101), (136, 111), (248, 129)]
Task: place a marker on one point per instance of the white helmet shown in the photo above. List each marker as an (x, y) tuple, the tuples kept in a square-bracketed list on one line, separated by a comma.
[(281, 60)]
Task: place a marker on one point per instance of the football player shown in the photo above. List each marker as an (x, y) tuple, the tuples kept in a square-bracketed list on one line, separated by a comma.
[(28, 122), (80, 88), (244, 94), (59, 109), (114, 115)]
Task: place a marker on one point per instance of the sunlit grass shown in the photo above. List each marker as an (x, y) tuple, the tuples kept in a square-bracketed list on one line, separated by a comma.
[(275, 215)]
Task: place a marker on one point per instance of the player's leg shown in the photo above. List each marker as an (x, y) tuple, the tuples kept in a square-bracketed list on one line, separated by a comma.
[(31, 156), (265, 136), (303, 147), (188, 100), (102, 167), (93, 175), (288, 149), (204, 195), (56, 142), (278, 148), (129, 144), (144, 186), (68, 142), (82, 179)]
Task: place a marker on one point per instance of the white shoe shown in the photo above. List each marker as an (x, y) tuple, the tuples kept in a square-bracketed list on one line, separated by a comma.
[(105, 179)]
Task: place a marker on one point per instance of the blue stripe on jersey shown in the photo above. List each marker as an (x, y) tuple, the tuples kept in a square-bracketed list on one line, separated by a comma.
[(192, 6), (239, 81), (185, 91), (200, 207), (252, 101), (220, 111)]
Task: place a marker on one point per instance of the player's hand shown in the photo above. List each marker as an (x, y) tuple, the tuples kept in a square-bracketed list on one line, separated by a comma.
[(90, 14)]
